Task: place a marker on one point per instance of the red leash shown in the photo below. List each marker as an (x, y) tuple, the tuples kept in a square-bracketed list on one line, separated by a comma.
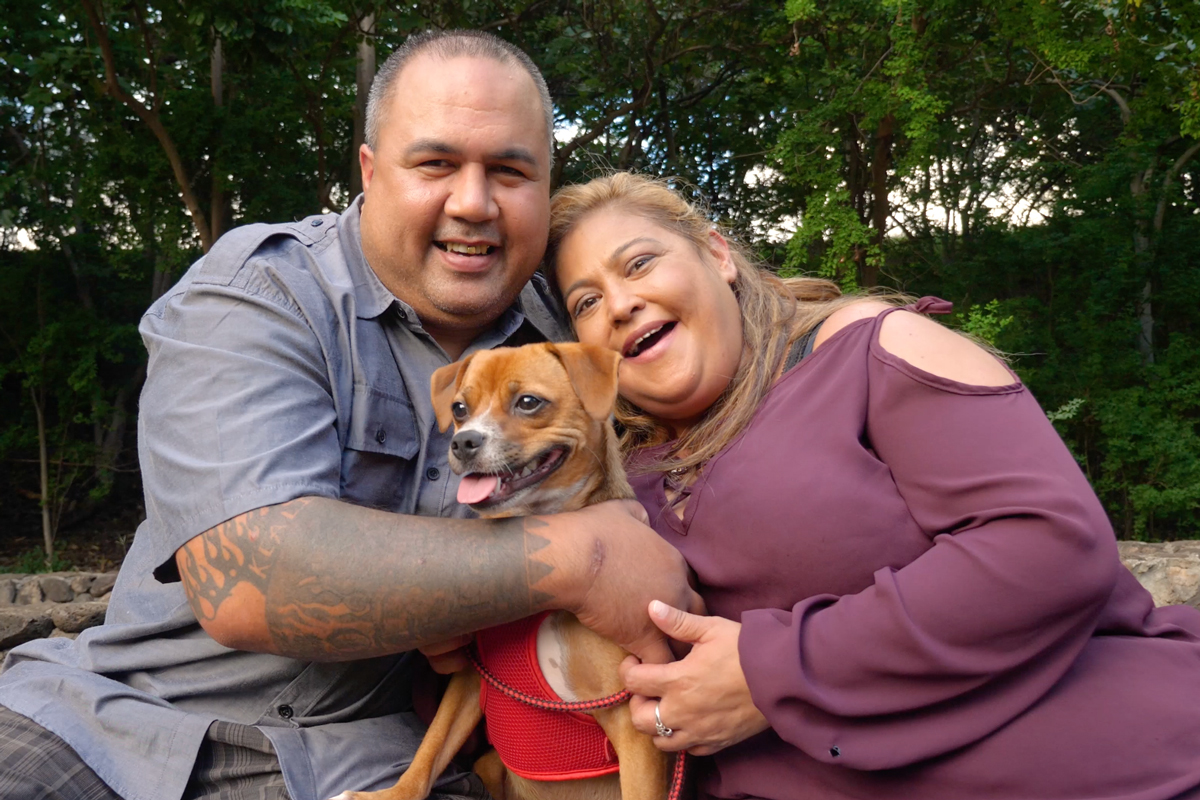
[(579, 705)]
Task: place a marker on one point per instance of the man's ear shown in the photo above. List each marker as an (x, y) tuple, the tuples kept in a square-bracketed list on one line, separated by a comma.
[(443, 385), (366, 164), (592, 371)]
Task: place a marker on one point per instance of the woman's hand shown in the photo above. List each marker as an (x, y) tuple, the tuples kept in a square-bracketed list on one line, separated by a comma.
[(704, 698)]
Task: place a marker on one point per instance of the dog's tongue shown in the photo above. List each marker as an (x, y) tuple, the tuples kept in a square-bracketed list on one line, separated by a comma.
[(476, 488)]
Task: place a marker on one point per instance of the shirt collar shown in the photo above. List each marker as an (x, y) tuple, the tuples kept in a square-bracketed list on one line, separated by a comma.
[(371, 297)]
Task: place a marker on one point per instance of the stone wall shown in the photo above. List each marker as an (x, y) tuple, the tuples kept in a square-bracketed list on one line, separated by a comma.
[(54, 604), (1170, 570), (65, 603)]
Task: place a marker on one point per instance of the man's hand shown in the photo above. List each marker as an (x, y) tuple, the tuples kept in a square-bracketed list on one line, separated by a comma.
[(618, 565)]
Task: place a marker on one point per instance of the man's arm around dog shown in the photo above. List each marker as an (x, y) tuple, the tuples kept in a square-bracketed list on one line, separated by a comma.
[(323, 580)]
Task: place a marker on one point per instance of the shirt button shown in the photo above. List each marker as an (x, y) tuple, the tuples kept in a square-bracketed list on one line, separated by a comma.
[(285, 711), (316, 223), (381, 436), (402, 313), (433, 473)]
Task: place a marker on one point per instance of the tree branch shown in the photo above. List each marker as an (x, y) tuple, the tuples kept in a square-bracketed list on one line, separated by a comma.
[(1161, 211), (152, 120)]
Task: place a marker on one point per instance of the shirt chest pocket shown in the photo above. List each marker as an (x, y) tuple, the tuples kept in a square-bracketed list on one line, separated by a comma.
[(379, 461)]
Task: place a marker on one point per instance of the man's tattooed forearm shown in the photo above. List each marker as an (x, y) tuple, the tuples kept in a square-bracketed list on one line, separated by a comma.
[(535, 568), (338, 582)]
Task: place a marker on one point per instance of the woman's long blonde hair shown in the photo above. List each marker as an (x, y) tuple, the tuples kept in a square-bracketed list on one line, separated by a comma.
[(775, 313)]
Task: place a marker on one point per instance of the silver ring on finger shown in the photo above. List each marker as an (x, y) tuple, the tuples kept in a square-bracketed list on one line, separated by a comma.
[(659, 728)]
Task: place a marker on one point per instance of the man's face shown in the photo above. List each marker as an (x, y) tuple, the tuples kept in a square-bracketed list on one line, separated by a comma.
[(456, 205)]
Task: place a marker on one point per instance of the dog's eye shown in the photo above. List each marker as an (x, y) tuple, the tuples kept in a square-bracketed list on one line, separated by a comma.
[(528, 402), (459, 410)]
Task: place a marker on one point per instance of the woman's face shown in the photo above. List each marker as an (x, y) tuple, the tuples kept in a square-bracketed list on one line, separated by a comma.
[(643, 290)]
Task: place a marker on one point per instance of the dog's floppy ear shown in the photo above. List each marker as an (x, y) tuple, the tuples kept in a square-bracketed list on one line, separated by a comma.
[(593, 374), (443, 385)]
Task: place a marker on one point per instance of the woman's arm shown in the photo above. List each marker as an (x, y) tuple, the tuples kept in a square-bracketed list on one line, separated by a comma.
[(965, 638)]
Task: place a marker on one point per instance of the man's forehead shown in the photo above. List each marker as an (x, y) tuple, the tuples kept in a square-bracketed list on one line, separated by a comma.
[(476, 79), (432, 88)]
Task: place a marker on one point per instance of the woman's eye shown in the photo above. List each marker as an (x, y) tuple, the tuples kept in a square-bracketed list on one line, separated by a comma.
[(639, 262), (529, 402), (458, 410), (584, 304)]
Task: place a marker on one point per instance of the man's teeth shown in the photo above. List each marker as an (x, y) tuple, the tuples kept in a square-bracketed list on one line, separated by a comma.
[(468, 249)]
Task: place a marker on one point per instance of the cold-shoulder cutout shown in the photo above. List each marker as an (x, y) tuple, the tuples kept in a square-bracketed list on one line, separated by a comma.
[(937, 350), (922, 343)]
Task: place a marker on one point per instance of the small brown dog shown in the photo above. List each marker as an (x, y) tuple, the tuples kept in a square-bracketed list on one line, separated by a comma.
[(534, 436)]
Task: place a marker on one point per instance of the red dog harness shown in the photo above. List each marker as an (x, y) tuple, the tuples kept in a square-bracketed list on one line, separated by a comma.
[(536, 743)]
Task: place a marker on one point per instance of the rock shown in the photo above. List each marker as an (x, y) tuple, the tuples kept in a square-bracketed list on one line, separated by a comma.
[(19, 625), (103, 584), (76, 617), (83, 597), (1170, 571), (8, 591), (82, 582), (62, 635), (57, 589), (29, 592)]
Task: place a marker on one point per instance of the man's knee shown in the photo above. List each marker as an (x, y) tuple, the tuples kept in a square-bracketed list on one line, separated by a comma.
[(35, 763)]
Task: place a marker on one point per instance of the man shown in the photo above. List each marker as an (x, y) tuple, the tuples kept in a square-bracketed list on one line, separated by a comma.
[(302, 534)]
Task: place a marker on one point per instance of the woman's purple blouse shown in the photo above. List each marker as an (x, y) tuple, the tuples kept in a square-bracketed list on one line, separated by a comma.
[(931, 601)]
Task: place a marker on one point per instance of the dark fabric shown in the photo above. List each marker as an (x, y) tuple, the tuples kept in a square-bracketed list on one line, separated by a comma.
[(931, 598), (37, 765), (802, 348)]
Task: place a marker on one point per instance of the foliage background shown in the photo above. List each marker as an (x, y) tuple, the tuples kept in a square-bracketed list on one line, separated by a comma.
[(1032, 161)]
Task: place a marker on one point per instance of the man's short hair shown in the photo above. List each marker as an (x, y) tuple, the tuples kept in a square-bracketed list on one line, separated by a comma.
[(447, 45)]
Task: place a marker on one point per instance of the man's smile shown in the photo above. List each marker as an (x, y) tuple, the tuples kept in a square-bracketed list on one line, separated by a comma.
[(465, 249)]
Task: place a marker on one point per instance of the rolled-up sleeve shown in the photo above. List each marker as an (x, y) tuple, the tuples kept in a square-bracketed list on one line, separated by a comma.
[(942, 652), (237, 412)]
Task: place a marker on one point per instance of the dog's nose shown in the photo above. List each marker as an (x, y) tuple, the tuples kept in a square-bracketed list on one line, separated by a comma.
[(466, 444)]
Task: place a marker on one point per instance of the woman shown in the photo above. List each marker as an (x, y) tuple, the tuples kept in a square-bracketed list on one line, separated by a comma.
[(915, 592)]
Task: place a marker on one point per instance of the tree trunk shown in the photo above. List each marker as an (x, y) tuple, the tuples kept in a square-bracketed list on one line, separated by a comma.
[(1142, 256), (44, 473), (217, 211), (364, 75), (880, 207)]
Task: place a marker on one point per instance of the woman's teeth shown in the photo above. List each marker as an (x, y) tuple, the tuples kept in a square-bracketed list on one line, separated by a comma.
[(643, 339)]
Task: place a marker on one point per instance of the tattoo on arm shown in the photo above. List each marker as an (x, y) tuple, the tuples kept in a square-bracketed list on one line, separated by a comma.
[(238, 552), (338, 582)]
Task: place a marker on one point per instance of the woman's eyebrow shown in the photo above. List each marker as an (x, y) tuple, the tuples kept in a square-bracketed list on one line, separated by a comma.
[(616, 254), (614, 257)]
